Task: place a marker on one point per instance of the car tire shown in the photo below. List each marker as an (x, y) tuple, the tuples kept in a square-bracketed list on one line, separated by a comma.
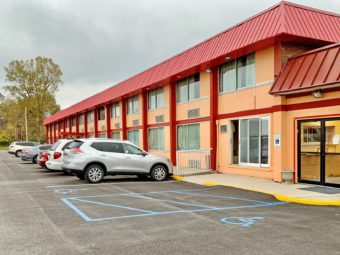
[(18, 153), (35, 159), (159, 173), (81, 176), (94, 173)]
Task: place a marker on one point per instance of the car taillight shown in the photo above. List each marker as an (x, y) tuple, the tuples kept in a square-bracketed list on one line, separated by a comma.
[(57, 155), (76, 151)]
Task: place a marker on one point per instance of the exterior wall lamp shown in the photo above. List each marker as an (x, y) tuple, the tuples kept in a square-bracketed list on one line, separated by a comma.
[(317, 94)]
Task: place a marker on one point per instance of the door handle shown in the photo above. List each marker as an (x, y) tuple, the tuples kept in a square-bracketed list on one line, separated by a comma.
[(127, 158), (102, 155)]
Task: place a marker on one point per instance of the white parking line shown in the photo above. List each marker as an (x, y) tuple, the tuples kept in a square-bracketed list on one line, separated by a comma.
[(109, 184)]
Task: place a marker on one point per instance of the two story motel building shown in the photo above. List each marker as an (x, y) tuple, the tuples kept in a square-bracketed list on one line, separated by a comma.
[(260, 99)]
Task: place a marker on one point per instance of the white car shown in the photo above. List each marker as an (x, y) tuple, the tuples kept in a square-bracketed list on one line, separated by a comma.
[(16, 148), (55, 154)]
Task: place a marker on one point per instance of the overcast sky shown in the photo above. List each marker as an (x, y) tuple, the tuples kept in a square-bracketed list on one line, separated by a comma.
[(99, 43)]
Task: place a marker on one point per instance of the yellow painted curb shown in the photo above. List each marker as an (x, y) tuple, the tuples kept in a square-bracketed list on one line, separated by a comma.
[(281, 197), (210, 184), (305, 201), (177, 178)]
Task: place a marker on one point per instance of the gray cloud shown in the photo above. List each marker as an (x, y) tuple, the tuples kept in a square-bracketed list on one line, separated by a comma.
[(99, 43)]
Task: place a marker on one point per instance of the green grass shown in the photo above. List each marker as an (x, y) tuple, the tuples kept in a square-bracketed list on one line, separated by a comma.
[(3, 148)]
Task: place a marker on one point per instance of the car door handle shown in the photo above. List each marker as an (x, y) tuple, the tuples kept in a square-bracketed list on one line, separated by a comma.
[(102, 155), (127, 158)]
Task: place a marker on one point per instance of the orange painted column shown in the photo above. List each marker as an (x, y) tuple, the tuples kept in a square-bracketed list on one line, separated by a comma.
[(95, 123), (145, 120), (213, 116), (108, 121), (172, 109), (85, 125), (124, 132)]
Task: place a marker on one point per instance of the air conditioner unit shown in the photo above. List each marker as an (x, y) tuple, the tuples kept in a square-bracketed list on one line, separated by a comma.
[(194, 163), (159, 118), (194, 113)]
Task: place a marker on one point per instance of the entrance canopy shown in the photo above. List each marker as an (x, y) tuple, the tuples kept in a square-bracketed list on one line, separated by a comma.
[(314, 70)]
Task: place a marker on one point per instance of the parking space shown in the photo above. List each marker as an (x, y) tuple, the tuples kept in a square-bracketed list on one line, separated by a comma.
[(44, 212)]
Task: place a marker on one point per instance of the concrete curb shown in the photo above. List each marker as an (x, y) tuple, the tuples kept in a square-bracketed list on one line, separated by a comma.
[(279, 197)]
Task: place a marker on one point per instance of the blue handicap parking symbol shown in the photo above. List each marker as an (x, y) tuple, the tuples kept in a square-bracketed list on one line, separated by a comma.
[(246, 222)]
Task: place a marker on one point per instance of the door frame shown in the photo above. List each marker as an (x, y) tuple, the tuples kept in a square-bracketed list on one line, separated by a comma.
[(322, 152)]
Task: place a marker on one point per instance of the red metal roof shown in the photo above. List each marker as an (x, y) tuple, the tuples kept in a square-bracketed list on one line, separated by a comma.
[(310, 71), (282, 19)]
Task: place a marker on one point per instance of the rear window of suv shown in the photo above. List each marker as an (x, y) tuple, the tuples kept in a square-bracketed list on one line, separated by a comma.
[(54, 146), (74, 144)]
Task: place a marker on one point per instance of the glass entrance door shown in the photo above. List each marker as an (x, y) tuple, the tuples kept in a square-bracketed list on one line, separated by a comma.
[(319, 151), (310, 151)]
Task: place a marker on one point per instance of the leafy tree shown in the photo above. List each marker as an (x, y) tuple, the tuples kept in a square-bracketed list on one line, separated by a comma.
[(33, 84)]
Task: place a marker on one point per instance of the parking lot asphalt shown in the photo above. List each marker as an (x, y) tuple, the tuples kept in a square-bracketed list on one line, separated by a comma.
[(46, 212)]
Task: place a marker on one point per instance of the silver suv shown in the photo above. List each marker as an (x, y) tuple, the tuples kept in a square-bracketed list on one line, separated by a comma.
[(92, 159)]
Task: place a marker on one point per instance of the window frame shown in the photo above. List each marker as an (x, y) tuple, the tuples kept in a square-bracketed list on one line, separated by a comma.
[(187, 137), (155, 93), (185, 82), (101, 113), (115, 110), (237, 86), (133, 131), (160, 148), (259, 146), (134, 101)]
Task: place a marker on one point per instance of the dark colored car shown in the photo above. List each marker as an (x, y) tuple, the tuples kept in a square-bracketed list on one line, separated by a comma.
[(32, 154)]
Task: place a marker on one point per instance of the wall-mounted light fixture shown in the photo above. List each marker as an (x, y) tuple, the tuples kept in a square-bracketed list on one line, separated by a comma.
[(227, 57), (317, 94), (208, 70)]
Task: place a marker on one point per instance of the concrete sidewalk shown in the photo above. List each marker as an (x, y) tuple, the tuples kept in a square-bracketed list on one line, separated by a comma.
[(282, 191)]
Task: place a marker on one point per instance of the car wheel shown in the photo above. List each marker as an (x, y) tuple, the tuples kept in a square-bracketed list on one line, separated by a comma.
[(18, 154), (81, 176), (35, 159), (94, 173), (159, 173)]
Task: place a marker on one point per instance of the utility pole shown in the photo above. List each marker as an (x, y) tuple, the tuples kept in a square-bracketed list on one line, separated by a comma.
[(26, 123)]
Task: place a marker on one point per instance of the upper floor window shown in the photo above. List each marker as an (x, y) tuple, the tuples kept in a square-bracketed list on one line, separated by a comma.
[(115, 110), (156, 98), (188, 89), (101, 113), (132, 105), (90, 117), (81, 119), (237, 74), (74, 121)]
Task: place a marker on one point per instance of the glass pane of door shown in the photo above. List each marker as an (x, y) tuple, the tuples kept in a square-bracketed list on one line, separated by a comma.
[(332, 152), (310, 151)]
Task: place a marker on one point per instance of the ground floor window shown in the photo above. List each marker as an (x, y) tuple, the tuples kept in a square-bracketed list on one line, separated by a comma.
[(133, 136), (188, 137), (251, 141), (156, 138), (115, 135), (102, 135)]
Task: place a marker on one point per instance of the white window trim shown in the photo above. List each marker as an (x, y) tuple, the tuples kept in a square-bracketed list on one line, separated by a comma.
[(259, 165)]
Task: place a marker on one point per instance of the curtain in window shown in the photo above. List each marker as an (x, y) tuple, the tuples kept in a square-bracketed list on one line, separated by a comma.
[(160, 98), (193, 136), (160, 138), (228, 77), (152, 99), (133, 136), (254, 140), (194, 87), (264, 141), (244, 141), (182, 91), (182, 137), (250, 70)]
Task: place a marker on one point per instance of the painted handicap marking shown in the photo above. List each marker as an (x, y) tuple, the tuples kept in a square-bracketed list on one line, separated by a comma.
[(246, 222), (76, 203), (67, 191)]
